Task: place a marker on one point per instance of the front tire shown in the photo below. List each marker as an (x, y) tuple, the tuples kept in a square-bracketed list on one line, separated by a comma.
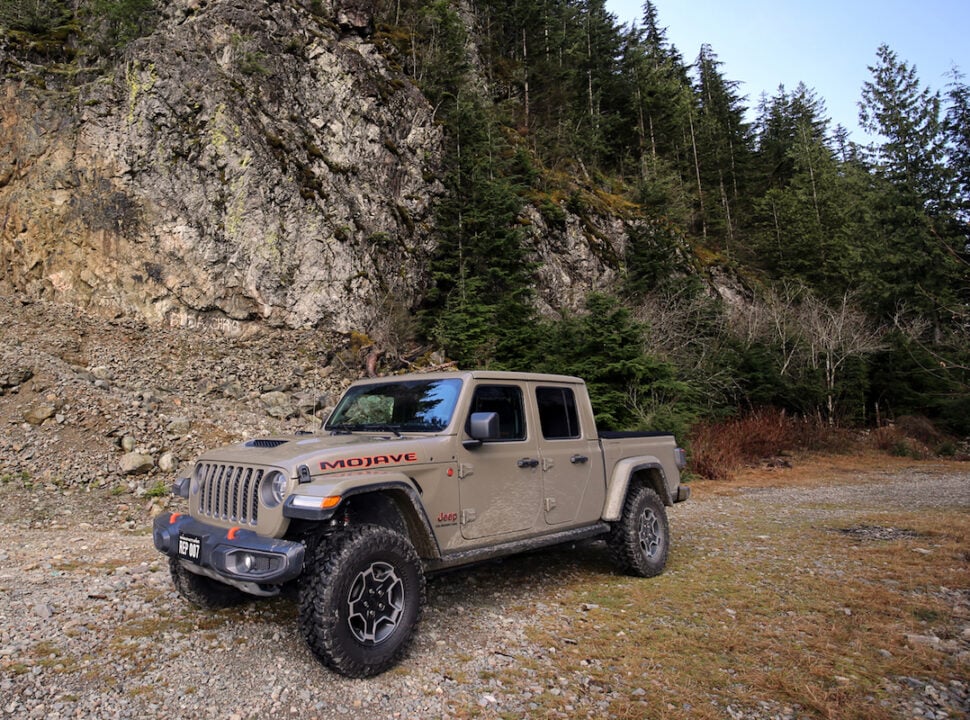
[(640, 541), (361, 599)]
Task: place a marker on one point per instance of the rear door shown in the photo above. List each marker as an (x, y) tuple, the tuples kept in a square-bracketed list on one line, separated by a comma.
[(500, 481), (568, 456)]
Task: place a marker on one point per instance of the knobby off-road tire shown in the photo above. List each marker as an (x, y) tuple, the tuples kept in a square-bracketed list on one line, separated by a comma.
[(640, 540), (360, 600), (203, 591)]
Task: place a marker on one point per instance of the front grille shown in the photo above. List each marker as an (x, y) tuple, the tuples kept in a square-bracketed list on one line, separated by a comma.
[(229, 492)]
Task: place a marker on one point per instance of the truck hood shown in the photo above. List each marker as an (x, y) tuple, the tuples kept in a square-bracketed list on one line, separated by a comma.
[(326, 453)]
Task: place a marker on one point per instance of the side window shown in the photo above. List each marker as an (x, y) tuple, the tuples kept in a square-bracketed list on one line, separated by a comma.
[(557, 413), (506, 401)]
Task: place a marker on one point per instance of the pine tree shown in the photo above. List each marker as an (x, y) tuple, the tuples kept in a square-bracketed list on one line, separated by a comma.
[(906, 118), (914, 248), (723, 148), (479, 306), (956, 129)]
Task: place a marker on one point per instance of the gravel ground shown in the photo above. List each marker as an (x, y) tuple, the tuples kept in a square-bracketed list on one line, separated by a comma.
[(708, 523), (90, 626)]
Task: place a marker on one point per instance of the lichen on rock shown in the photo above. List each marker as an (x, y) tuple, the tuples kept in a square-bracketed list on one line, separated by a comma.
[(230, 169)]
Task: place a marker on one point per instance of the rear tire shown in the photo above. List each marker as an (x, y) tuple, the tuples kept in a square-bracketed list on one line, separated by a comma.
[(203, 591), (640, 541), (360, 600)]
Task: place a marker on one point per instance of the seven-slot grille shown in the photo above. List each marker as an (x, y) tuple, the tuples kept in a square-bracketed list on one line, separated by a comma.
[(229, 492)]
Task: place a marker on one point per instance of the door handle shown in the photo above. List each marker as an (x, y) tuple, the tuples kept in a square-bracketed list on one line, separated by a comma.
[(578, 459), (528, 463)]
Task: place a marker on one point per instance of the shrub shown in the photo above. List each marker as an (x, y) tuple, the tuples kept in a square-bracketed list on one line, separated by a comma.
[(919, 428), (720, 448), (893, 440)]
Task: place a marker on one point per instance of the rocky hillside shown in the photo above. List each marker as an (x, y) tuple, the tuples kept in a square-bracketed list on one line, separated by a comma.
[(242, 165), (244, 162), (91, 407)]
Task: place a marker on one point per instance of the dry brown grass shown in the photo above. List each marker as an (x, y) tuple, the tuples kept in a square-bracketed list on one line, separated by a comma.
[(809, 469), (720, 450), (765, 609)]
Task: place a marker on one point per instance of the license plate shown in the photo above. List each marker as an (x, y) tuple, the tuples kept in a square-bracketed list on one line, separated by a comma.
[(190, 547)]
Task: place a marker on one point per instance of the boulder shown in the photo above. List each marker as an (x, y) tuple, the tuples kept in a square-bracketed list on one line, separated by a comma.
[(134, 463), (37, 414)]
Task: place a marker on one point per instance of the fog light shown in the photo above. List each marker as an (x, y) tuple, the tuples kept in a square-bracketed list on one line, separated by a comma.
[(251, 563)]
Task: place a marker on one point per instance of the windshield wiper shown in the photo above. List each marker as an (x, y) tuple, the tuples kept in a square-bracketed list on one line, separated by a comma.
[(342, 429), (383, 427)]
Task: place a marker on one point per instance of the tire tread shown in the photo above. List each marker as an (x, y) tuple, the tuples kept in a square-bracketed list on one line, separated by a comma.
[(318, 603), (623, 542)]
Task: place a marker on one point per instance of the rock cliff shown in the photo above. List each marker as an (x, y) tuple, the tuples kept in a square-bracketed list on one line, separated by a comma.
[(245, 164)]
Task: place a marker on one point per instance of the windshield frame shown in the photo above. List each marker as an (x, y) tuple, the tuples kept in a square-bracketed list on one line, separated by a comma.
[(388, 397)]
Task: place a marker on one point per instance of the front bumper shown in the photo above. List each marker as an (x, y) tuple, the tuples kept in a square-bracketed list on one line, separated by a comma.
[(237, 556)]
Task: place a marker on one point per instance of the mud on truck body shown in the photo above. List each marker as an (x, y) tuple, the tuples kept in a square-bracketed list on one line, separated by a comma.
[(412, 474)]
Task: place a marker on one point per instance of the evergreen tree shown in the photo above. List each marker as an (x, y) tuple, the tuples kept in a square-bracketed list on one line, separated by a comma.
[(808, 222), (723, 149), (657, 258), (629, 388), (658, 84), (112, 24), (432, 44), (92, 30), (480, 304), (34, 16), (914, 248), (783, 121), (957, 132), (906, 118)]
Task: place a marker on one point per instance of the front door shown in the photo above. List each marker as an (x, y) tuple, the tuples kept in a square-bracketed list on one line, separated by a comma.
[(501, 481)]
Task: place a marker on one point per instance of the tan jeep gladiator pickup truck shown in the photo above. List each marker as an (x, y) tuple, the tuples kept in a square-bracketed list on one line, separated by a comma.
[(409, 475)]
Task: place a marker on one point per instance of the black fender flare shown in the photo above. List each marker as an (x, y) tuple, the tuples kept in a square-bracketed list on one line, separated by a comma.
[(308, 503)]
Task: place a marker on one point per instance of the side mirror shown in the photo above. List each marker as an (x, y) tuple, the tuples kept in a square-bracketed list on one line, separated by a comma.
[(482, 426)]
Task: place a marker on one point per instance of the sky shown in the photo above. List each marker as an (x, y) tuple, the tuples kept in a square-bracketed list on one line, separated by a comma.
[(827, 44)]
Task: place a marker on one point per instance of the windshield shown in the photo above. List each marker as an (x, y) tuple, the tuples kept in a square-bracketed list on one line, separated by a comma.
[(411, 406)]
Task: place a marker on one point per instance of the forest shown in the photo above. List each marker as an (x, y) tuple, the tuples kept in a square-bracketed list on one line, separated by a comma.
[(844, 268), (852, 260)]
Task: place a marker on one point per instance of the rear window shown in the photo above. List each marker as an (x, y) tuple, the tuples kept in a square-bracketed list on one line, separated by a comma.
[(557, 413)]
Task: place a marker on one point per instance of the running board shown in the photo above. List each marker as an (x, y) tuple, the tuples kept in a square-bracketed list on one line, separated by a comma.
[(467, 557)]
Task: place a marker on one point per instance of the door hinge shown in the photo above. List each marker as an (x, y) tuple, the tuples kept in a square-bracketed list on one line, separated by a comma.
[(467, 516), (464, 470), (550, 504)]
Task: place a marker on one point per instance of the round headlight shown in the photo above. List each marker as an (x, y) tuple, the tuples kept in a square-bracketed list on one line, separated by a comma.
[(272, 487)]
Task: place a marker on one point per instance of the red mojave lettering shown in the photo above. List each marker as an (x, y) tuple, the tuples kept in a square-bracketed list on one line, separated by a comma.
[(369, 461)]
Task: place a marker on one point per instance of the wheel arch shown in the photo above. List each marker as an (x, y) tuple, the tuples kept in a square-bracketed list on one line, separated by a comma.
[(647, 471), (389, 499), (396, 505)]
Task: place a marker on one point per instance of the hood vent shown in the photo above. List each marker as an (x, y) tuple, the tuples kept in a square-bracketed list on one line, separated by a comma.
[(263, 443)]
